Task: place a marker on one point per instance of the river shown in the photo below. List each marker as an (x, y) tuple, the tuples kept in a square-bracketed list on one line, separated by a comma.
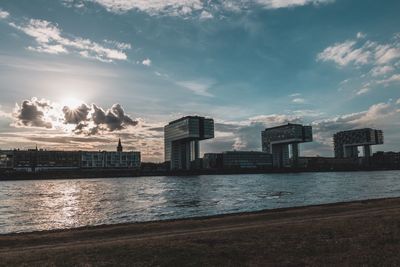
[(57, 204)]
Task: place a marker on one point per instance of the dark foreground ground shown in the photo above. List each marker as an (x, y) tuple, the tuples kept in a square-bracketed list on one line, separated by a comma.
[(349, 234)]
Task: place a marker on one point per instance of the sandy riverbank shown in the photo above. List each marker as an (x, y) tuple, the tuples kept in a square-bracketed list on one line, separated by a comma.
[(355, 233)]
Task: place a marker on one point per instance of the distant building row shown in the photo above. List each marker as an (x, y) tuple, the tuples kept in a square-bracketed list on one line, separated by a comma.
[(280, 145), (37, 160), (280, 149)]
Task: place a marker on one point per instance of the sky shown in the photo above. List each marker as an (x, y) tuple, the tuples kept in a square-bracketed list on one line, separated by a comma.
[(79, 74)]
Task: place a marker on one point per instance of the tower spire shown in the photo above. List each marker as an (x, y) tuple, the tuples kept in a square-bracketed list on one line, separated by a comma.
[(119, 147)]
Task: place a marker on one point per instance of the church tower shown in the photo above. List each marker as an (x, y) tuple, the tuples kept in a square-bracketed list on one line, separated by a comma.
[(119, 147)]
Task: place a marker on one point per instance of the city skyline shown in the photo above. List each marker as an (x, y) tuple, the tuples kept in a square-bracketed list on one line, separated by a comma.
[(85, 73)]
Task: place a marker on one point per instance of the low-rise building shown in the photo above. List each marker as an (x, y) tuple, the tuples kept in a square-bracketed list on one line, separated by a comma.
[(212, 161), (6, 159), (386, 159), (328, 163), (238, 160), (106, 159), (33, 160)]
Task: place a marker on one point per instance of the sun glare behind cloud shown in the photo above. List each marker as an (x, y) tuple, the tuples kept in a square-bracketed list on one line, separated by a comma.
[(71, 102)]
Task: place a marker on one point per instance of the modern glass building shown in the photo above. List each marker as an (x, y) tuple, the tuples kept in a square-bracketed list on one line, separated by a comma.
[(283, 142), (346, 143), (181, 140)]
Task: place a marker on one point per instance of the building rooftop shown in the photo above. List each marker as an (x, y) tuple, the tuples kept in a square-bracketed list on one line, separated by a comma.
[(355, 130), (284, 125), (187, 117)]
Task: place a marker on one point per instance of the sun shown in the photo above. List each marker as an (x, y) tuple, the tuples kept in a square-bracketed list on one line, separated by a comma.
[(71, 102)]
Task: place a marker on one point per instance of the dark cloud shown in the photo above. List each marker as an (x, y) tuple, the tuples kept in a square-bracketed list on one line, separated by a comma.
[(81, 128), (94, 120), (32, 113), (77, 115), (114, 119), (98, 115), (88, 120)]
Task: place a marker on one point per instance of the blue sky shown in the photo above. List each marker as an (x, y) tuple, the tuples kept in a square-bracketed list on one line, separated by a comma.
[(125, 68)]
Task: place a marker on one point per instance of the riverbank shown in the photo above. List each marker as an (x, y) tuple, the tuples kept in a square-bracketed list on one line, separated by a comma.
[(354, 233)]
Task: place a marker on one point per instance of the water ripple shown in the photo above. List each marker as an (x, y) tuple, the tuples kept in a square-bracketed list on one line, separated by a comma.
[(53, 204)]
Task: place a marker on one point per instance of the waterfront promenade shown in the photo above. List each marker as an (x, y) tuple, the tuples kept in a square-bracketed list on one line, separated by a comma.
[(346, 234)]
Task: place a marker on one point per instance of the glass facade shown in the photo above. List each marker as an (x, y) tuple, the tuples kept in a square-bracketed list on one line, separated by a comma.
[(289, 133), (106, 159), (181, 140), (283, 142), (246, 159), (346, 143), (238, 160)]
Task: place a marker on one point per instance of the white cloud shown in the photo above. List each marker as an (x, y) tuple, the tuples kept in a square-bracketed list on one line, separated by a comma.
[(197, 87), (386, 53), (169, 7), (375, 113), (295, 94), (146, 62), (398, 101), (4, 114), (358, 53), (195, 8), (363, 90), (274, 119), (381, 70), (119, 45), (307, 113), (4, 14), (51, 49), (393, 78), (376, 60), (206, 15), (49, 39), (274, 4), (298, 100), (345, 53), (361, 35)]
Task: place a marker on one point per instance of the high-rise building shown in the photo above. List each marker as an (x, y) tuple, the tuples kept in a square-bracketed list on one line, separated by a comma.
[(346, 143), (181, 140), (283, 143)]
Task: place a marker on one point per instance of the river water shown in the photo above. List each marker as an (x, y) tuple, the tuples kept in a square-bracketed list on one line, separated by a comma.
[(55, 204)]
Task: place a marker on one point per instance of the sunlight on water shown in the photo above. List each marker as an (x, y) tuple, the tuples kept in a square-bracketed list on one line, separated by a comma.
[(56, 204)]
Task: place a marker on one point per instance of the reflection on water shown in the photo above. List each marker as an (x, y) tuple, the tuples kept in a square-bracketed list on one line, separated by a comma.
[(54, 204)]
